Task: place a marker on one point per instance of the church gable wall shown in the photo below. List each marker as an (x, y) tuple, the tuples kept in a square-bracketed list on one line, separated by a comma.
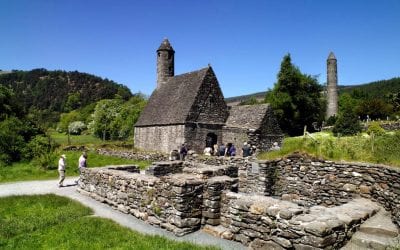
[(159, 138), (209, 105)]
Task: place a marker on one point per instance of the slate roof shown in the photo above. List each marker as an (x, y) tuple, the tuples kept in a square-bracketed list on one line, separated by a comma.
[(247, 116), (171, 102)]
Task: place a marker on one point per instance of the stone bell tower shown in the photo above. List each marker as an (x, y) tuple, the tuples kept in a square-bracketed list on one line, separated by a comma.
[(332, 89), (165, 62)]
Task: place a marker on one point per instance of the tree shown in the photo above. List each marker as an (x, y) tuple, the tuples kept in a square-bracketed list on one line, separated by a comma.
[(114, 118), (104, 114), (296, 99), (374, 108), (347, 122)]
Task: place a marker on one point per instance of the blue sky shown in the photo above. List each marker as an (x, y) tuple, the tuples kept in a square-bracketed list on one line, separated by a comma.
[(244, 41)]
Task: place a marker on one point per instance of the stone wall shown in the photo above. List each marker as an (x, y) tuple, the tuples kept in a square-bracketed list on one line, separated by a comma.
[(391, 126), (196, 134), (268, 223), (309, 182), (135, 155), (159, 138), (164, 196)]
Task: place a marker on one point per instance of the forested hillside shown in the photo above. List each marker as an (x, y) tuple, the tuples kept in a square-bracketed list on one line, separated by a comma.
[(377, 89), (59, 91)]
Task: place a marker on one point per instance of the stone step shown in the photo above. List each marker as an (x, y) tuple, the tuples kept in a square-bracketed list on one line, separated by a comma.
[(362, 240), (378, 232), (380, 224)]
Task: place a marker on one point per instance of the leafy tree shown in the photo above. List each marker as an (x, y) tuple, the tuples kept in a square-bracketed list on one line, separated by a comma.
[(73, 101), (104, 114), (374, 108), (66, 119), (8, 103), (296, 99), (15, 134), (114, 118), (347, 122)]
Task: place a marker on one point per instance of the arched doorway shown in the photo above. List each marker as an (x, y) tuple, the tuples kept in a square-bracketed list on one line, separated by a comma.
[(211, 139)]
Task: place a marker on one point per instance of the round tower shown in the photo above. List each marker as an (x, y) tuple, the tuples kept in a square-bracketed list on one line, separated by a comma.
[(165, 62), (332, 89)]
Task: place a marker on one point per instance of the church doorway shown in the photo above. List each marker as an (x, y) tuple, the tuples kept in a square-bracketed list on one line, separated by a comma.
[(211, 139)]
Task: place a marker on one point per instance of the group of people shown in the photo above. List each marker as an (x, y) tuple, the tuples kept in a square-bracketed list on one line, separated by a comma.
[(228, 150), (62, 164)]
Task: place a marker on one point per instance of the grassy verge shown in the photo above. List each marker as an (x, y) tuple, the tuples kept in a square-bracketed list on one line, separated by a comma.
[(384, 149), (29, 171), (54, 222)]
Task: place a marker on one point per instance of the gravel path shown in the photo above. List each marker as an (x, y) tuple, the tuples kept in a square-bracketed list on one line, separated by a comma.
[(105, 211)]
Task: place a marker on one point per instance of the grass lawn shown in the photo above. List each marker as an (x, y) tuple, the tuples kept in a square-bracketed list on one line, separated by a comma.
[(384, 149), (29, 171), (54, 222), (87, 140)]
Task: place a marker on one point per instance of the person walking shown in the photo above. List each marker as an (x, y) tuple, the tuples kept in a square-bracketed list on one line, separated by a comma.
[(61, 170), (82, 164)]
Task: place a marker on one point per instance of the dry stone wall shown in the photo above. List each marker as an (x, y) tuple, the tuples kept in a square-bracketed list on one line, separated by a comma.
[(178, 202), (268, 223), (135, 155), (291, 203), (310, 182)]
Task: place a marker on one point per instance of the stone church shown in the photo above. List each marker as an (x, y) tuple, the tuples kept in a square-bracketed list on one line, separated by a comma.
[(190, 108)]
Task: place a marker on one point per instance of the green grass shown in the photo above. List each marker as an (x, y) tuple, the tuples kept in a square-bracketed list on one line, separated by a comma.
[(383, 149), (23, 171), (87, 140), (54, 222)]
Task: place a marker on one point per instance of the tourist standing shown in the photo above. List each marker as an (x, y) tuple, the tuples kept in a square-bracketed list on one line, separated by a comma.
[(183, 152), (222, 150), (216, 153), (61, 170), (207, 151), (245, 150), (232, 150)]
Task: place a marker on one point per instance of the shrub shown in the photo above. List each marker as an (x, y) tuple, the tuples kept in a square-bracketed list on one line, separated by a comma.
[(40, 149), (347, 123), (376, 129), (331, 120), (76, 128)]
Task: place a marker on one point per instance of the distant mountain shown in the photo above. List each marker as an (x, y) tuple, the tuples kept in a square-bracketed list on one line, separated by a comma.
[(232, 101), (377, 89), (59, 91)]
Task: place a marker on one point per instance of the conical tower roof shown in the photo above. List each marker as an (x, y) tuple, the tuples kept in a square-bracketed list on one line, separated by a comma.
[(331, 56), (165, 45)]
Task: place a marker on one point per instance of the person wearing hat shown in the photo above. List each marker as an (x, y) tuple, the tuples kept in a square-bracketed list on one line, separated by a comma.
[(61, 170)]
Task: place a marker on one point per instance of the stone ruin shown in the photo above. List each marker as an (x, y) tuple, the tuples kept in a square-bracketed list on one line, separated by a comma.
[(291, 203)]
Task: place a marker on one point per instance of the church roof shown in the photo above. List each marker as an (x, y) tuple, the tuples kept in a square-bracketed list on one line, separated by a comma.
[(165, 45), (331, 56), (247, 116), (172, 101)]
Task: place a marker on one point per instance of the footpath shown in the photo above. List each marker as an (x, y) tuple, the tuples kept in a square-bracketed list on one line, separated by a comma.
[(104, 211)]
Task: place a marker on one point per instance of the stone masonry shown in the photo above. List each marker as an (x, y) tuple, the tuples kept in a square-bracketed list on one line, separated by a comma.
[(292, 203)]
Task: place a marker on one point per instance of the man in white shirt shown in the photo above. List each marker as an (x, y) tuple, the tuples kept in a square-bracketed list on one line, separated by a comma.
[(61, 170)]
